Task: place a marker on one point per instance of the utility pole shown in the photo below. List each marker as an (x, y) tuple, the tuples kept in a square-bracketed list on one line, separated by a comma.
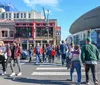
[(47, 23)]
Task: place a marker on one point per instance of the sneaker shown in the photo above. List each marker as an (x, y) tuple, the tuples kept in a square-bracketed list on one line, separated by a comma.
[(78, 83), (13, 74), (96, 83), (87, 83), (19, 74), (3, 73)]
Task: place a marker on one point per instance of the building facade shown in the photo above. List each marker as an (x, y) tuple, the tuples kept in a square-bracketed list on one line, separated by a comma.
[(87, 26), (7, 29), (21, 15), (29, 28)]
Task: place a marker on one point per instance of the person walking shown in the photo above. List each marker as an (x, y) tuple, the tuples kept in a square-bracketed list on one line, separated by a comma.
[(63, 49), (9, 54), (17, 52), (37, 52), (53, 53), (30, 51), (75, 63), (2, 56), (89, 56), (44, 53)]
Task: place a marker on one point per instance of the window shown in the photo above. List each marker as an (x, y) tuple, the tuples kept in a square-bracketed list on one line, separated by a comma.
[(4, 33), (11, 33), (9, 15), (17, 15), (21, 15), (2, 15), (6, 15), (14, 15), (24, 15), (29, 16), (24, 32)]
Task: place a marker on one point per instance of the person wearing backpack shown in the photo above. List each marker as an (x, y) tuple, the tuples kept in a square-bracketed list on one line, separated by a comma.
[(17, 53), (63, 49), (75, 63)]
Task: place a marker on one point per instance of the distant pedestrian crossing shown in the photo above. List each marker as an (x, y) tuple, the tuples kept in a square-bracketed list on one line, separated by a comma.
[(53, 70)]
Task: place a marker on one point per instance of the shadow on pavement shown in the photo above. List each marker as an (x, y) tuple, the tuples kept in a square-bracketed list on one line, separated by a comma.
[(37, 81)]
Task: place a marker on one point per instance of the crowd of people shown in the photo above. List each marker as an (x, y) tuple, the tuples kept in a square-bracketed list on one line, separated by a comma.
[(71, 56)]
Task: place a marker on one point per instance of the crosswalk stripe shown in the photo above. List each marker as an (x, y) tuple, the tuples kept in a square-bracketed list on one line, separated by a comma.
[(54, 73), (53, 68)]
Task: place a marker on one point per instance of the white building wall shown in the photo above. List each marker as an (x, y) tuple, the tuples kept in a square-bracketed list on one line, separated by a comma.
[(33, 15)]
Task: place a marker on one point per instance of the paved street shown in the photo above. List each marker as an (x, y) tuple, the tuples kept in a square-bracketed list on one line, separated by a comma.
[(42, 74)]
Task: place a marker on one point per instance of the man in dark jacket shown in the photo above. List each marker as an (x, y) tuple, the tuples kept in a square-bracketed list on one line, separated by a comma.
[(89, 57), (63, 49)]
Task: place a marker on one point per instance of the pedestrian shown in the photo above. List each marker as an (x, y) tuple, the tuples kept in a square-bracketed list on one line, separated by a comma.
[(37, 52), (75, 63), (49, 48), (67, 57), (53, 53), (16, 57), (9, 54), (30, 53), (90, 55), (44, 53), (2, 56), (63, 49)]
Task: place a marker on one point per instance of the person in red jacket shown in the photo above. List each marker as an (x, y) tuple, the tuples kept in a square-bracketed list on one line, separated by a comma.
[(53, 53), (17, 53)]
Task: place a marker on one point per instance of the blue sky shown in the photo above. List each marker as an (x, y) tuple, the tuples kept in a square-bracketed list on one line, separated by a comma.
[(65, 11)]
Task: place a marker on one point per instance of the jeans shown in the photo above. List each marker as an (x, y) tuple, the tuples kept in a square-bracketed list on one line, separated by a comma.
[(63, 58), (2, 59), (77, 66), (38, 58), (8, 60), (93, 70), (30, 57), (44, 57), (18, 64)]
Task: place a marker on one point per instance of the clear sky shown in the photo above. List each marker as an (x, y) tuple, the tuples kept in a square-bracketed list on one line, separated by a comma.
[(65, 11)]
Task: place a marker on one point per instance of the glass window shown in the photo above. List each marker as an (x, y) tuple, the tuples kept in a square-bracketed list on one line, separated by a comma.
[(6, 15), (24, 15), (24, 32), (17, 15), (2, 15), (14, 15), (9, 15), (29, 16), (4, 33), (21, 15), (11, 33)]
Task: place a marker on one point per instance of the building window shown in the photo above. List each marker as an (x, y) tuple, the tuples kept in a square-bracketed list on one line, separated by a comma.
[(29, 16), (38, 24), (17, 15), (2, 15), (6, 15), (24, 15), (9, 15), (14, 15), (4, 33), (11, 33), (21, 15)]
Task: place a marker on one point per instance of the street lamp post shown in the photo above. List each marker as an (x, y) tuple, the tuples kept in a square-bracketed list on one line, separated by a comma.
[(47, 23)]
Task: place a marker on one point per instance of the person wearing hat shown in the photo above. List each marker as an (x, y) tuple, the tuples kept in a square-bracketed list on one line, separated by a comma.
[(89, 56)]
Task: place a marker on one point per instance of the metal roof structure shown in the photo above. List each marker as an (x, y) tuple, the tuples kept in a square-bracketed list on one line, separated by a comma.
[(89, 20)]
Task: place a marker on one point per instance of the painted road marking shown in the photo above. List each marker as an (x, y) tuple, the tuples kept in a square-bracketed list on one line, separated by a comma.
[(54, 73)]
